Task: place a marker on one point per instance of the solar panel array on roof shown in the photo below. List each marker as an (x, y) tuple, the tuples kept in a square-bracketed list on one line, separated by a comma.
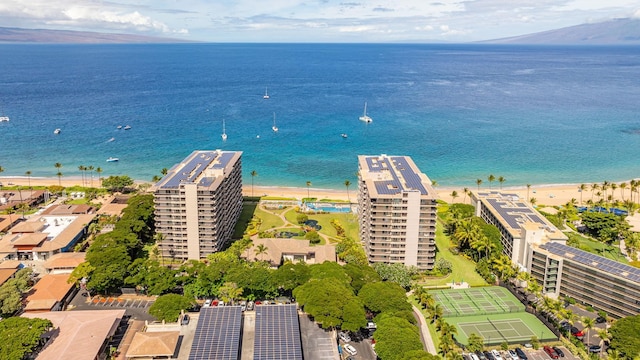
[(196, 165), (217, 335), (595, 261), (412, 179), (277, 334)]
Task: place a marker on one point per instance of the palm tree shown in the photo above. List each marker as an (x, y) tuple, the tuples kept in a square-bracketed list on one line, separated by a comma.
[(164, 171), (533, 201), (99, 171), (594, 187), (454, 195), (28, 173), (155, 178), (491, 179), (466, 233), (479, 182), (589, 324), (261, 249), (23, 207), (501, 180), (59, 174), (253, 175), (82, 168), (308, 185), (582, 188), (90, 168), (483, 243), (347, 183), (159, 237), (614, 186), (466, 192), (622, 187)]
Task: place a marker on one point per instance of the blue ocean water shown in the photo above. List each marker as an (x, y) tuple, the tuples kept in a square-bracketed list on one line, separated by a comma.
[(540, 115)]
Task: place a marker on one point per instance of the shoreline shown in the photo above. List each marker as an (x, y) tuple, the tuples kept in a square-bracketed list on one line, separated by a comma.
[(545, 194)]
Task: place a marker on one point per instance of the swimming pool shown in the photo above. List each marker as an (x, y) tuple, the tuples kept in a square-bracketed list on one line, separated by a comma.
[(329, 207)]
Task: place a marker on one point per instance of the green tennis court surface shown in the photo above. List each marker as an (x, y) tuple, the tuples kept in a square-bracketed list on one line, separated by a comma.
[(491, 312)]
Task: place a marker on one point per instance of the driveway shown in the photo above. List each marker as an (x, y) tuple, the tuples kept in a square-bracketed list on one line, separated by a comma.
[(136, 306)]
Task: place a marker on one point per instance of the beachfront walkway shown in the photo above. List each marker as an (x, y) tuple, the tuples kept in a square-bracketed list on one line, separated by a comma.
[(430, 347)]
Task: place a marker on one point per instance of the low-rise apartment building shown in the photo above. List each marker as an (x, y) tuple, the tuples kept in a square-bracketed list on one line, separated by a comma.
[(397, 211), (198, 203)]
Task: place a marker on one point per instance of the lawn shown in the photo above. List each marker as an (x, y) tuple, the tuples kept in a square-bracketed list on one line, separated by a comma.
[(348, 221), (463, 268), (596, 247), (269, 220)]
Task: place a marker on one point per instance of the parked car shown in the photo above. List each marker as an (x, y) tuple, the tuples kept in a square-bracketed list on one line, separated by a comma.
[(521, 354), (595, 348), (207, 303), (344, 336), (496, 354), (513, 355), (579, 334), (558, 351), (489, 356), (474, 356), (481, 355), (350, 349), (250, 305), (552, 354), (601, 320), (528, 346)]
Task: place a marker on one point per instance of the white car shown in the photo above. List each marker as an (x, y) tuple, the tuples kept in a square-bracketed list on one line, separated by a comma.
[(350, 349), (344, 336), (496, 354), (513, 355), (207, 303)]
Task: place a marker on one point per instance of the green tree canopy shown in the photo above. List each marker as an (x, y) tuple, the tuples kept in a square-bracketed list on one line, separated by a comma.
[(20, 336), (476, 342), (353, 315), (329, 269), (360, 274), (384, 296), (624, 336), (167, 307), (398, 273), (419, 355), (324, 300), (289, 276), (395, 338), (150, 276), (117, 183)]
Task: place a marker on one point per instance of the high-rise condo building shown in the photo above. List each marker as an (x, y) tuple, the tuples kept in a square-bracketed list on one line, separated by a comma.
[(397, 211), (198, 204)]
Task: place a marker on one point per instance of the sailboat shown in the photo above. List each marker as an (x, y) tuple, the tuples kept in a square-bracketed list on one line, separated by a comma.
[(4, 118), (224, 132), (266, 93), (364, 116), (274, 127)]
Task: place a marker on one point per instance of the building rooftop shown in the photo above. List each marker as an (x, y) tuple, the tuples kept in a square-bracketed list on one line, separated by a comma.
[(81, 333), (6, 274), (202, 167), (514, 213), (392, 175), (612, 267), (48, 291), (276, 248), (149, 345), (66, 260), (68, 209)]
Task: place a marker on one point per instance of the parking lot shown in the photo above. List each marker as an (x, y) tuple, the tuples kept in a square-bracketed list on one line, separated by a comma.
[(541, 355), (120, 302)]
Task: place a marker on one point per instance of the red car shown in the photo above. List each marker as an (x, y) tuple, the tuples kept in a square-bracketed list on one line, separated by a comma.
[(552, 353)]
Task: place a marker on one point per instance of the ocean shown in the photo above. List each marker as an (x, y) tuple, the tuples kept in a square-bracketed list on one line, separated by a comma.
[(532, 114)]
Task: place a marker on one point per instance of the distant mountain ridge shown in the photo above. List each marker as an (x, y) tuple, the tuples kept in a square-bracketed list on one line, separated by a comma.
[(613, 32), (18, 35)]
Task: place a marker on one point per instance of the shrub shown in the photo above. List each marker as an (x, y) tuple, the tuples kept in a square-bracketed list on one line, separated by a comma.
[(302, 218)]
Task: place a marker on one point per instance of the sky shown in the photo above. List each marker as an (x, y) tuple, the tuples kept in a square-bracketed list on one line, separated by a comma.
[(314, 20)]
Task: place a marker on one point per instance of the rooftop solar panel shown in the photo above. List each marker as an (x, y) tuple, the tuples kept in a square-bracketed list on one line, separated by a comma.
[(589, 259), (217, 335), (194, 165), (277, 333)]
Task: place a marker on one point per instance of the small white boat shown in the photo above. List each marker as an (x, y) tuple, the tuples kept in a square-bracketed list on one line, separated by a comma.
[(119, 127), (4, 119), (224, 132), (57, 131), (113, 159), (274, 127), (266, 93), (344, 136), (364, 116), (127, 127), (112, 139)]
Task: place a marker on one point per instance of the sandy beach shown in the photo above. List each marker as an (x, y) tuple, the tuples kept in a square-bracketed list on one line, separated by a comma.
[(550, 195)]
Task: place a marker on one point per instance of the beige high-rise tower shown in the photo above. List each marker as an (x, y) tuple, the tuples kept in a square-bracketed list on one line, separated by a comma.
[(198, 204), (397, 211)]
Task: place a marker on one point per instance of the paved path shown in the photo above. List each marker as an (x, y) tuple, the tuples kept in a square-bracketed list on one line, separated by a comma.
[(427, 341)]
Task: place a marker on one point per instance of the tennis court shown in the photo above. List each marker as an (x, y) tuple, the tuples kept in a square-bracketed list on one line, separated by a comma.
[(476, 301), (491, 312), (498, 328)]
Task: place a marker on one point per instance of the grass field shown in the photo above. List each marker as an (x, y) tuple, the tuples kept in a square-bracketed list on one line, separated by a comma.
[(348, 221)]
